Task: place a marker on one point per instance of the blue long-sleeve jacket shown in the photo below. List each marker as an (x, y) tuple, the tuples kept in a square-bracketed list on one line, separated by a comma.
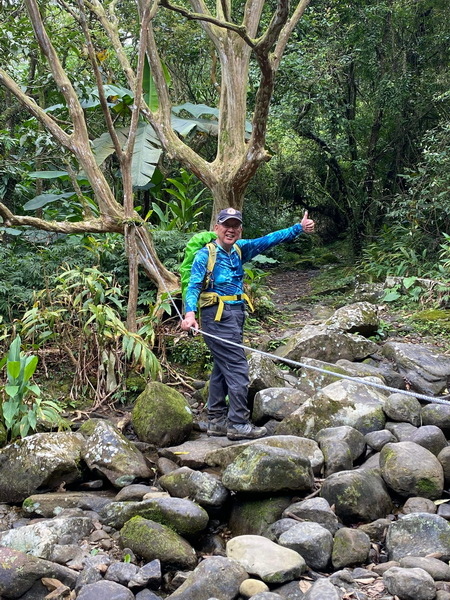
[(228, 274)]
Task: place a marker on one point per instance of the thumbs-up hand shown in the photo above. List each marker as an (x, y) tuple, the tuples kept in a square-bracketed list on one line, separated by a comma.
[(307, 224)]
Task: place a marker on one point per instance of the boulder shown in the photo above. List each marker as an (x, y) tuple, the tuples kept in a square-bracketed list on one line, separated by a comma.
[(215, 577), (269, 561), (263, 373), (317, 510), (419, 534), (39, 539), (151, 541), (327, 344), (350, 547), (203, 488), (294, 444), (403, 407), (262, 468), (426, 369), (110, 453), (276, 403), (180, 514), (161, 416), (39, 460), (357, 496), (312, 541), (341, 403), (254, 515), (411, 470), (360, 317)]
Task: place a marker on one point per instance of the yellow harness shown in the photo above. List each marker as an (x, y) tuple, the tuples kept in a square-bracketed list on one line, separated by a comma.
[(211, 298)]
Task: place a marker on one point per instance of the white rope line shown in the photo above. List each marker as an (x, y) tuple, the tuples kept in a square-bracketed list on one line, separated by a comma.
[(296, 363)]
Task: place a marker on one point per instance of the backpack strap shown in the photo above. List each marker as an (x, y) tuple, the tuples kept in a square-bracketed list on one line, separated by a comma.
[(211, 298)]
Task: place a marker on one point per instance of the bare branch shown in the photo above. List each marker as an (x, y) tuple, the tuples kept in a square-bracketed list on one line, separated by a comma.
[(93, 226), (286, 32), (268, 39), (208, 18)]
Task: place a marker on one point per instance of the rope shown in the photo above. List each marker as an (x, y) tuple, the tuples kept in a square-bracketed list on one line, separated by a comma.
[(443, 400)]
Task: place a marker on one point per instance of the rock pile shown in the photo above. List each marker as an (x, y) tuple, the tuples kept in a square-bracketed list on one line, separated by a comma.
[(346, 498)]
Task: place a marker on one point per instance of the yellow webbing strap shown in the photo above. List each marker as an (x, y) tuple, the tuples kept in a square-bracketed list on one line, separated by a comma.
[(211, 298)]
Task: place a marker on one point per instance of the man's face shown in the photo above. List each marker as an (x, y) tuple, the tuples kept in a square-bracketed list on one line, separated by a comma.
[(228, 232)]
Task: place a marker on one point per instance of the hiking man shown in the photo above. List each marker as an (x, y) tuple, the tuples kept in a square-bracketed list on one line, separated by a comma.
[(221, 299)]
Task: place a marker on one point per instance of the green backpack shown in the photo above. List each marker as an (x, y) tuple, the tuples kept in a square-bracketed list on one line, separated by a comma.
[(198, 241)]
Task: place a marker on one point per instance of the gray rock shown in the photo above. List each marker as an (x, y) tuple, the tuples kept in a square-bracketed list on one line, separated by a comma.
[(135, 491), (161, 416), (184, 516), (337, 455), (377, 439), (438, 569), (253, 515), (418, 504), (203, 488), (439, 415), (351, 436), (426, 369), (215, 577), (48, 459), (267, 596), (39, 539), (402, 431), (324, 343), (292, 443), (430, 437), (121, 572), (263, 373), (109, 452), (418, 534), (312, 541), (317, 510), (357, 496), (350, 547), (148, 575), (147, 595), (276, 403), (312, 380), (409, 584), (194, 453), (377, 529), (444, 459), (342, 403), (269, 561), (402, 407), (411, 470), (322, 589), (380, 370), (19, 572), (151, 541), (274, 530), (87, 575), (360, 317), (53, 504), (261, 468), (290, 591), (105, 590)]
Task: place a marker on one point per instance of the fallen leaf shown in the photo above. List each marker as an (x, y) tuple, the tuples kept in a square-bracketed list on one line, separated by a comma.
[(304, 586), (51, 583)]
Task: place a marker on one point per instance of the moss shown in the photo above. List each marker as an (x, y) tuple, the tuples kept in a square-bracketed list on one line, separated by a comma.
[(427, 488), (432, 315), (88, 427)]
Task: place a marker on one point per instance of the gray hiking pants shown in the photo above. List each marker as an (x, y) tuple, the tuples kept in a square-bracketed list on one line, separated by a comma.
[(229, 376)]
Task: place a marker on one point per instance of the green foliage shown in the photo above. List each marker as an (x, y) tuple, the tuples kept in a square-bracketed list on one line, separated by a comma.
[(82, 316), (23, 408), (185, 208)]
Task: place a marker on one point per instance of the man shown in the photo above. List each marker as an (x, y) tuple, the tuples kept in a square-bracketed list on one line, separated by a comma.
[(222, 306)]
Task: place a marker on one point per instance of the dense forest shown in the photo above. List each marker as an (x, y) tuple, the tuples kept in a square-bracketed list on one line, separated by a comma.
[(125, 126)]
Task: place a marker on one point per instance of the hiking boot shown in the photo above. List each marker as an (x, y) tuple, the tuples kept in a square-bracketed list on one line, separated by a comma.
[(245, 431), (217, 427)]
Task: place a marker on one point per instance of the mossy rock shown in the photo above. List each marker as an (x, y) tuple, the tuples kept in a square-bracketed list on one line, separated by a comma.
[(432, 315), (151, 541), (161, 416)]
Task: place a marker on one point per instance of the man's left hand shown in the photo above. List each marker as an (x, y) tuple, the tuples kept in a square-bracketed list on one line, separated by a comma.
[(307, 224)]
